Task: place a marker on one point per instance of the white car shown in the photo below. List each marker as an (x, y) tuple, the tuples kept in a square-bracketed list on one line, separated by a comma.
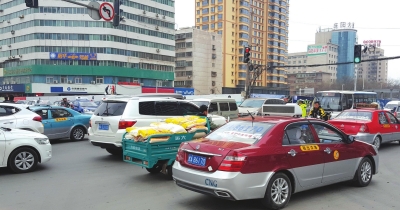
[(18, 116), (22, 150), (113, 116)]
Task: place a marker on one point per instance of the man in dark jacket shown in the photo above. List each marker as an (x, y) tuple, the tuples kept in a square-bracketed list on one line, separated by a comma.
[(318, 112), (11, 99), (65, 103), (5, 99)]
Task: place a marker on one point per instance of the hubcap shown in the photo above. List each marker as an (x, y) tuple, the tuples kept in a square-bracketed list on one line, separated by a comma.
[(78, 133), (24, 160), (377, 142), (366, 172), (279, 191)]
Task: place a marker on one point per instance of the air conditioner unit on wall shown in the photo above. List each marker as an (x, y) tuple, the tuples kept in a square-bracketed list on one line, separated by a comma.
[(20, 56), (156, 27), (69, 81), (55, 82), (158, 50), (144, 11), (93, 82), (21, 16), (157, 15), (163, 16)]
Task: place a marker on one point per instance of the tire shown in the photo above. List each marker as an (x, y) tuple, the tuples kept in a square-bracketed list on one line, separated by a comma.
[(23, 160), (115, 152), (155, 170), (279, 184), (377, 142), (169, 171), (77, 133), (363, 175)]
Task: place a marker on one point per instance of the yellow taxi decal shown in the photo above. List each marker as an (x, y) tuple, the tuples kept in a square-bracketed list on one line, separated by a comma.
[(386, 126), (60, 119), (309, 148), (336, 155)]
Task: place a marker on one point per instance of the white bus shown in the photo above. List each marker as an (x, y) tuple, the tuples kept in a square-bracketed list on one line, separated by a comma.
[(336, 101)]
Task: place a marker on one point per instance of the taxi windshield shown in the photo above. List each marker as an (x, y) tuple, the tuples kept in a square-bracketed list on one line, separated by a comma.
[(241, 131), (251, 103), (354, 115)]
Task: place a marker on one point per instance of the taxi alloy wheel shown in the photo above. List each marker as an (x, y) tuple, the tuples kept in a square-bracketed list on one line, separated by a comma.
[(279, 191), (377, 142), (77, 133), (364, 173), (23, 160)]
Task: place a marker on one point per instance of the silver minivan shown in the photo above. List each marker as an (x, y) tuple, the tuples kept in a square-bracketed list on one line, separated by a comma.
[(225, 107), (254, 105)]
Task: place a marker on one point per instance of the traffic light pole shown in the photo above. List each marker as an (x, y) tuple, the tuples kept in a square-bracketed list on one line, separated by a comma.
[(355, 77)]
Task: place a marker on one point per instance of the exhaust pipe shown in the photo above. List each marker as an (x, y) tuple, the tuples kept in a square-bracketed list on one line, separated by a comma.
[(222, 194)]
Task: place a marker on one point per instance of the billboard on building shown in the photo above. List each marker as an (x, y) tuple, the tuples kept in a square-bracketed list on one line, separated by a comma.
[(317, 50), (73, 56), (376, 43)]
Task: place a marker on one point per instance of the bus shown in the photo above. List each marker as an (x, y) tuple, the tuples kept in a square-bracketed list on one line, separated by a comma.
[(336, 101)]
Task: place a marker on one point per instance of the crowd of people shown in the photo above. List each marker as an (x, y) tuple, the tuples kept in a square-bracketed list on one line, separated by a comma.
[(9, 99)]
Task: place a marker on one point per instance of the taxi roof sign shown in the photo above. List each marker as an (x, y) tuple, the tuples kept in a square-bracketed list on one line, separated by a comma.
[(366, 106)]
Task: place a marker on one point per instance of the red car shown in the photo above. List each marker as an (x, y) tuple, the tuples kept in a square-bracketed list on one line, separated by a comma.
[(373, 126), (269, 158)]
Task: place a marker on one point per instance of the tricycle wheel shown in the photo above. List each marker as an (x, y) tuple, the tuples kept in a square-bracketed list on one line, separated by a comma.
[(155, 170)]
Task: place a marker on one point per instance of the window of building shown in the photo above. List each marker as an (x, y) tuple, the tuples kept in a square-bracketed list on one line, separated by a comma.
[(78, 80), (99, 80), (49, 80), (63, 79)]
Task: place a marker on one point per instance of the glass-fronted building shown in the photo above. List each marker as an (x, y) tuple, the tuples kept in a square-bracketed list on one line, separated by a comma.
[(345, 39), (59, 45)]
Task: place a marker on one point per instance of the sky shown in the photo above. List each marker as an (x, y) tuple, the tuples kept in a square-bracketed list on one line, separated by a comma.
[(374, 20)]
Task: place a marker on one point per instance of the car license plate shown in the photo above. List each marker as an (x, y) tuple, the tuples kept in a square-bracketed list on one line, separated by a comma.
[(196, 160), (103, 127)]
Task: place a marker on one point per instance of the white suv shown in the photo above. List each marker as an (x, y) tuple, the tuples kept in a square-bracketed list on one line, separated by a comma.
[(18, 116), (113, 116)]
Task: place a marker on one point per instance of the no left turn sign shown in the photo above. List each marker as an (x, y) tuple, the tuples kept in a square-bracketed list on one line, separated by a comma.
[(106, 11)]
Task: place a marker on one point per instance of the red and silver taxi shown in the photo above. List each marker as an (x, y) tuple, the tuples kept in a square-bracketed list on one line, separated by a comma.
[(369, 124), (270, 158)]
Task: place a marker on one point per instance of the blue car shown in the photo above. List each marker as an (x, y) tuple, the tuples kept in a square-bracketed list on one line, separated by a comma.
[(84, 106), (60, 122)]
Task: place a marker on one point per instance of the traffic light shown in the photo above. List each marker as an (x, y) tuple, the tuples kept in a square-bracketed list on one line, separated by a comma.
[(357, 53), (32, 3), (246, 55), (117, 10)]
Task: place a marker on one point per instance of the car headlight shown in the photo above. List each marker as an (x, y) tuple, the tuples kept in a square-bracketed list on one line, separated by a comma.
[(42, 140)]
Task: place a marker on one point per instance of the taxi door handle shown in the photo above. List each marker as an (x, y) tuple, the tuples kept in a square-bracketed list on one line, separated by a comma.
[(328, 150), (292, 152)]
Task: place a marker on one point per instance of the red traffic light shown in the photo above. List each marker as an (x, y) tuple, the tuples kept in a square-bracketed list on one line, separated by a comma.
[(247, 49)]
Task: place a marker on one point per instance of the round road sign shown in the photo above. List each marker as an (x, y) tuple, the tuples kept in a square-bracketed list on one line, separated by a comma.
[(106, 11)]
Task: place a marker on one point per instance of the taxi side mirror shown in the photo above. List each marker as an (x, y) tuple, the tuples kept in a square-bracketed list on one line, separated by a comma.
[(350, 139)]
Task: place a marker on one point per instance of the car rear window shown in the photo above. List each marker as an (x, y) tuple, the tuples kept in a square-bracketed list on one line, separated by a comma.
[(356, 115), (241, 131), (110, 108)]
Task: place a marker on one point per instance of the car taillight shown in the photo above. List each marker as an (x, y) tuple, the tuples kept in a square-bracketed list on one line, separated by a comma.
[(233, 162), (179, 154), (123, 124), (90, 123), (364, 129), (37, 118)]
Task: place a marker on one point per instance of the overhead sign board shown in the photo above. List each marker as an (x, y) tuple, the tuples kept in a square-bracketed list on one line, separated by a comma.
[(73, 56), (106, 11), (317, 50), (376, 43)]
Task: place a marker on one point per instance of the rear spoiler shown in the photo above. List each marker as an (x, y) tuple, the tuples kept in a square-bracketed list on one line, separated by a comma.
[(290, 110)]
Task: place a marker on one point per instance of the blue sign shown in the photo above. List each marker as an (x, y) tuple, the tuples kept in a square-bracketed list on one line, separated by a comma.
[(12, 88), (73, 56), (184, 91), (68, 89)]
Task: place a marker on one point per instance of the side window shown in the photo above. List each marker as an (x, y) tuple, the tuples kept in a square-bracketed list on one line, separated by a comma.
[(7, 110), (223, 107), (166, 109), (213, 107), (147, 108), (382, 118), (59, 113), (299, 133), (327, 134), (188, 109), (233, 106), (43, 113), (392, 118)]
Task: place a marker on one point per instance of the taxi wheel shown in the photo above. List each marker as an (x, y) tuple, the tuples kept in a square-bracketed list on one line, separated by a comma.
[(377, 142), (77, 133), (363, 175), (155, 170), (23, 160), (279, 191)]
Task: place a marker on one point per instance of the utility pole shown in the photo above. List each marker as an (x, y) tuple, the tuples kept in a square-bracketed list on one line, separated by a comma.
[(248, 82)]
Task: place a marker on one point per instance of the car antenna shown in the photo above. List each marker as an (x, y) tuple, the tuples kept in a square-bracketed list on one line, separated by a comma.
[(252, 118)]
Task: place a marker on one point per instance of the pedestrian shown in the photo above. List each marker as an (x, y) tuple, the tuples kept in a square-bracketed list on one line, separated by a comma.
[(303, 108), (5, 99), (318, 112), (11, 99), (65, 103), (106, 90)]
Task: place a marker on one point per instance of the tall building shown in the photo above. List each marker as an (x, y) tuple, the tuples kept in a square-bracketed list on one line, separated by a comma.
[(345, 37), (58, 49), (261, 24), (199, 61), (373, 71)]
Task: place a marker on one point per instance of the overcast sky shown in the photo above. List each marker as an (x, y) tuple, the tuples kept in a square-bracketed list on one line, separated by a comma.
[(374, 20)]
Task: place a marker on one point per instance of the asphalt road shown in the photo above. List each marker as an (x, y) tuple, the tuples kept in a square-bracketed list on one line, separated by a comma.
[(81, 176)]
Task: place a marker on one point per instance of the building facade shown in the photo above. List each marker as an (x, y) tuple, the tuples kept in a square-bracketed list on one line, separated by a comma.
[(373, 71), (57, 48), (263, 25), (316, 54), (308, 83), (199, 61)]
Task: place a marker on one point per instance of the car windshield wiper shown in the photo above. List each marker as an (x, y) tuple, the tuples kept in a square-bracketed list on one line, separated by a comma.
[(6, 129)]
